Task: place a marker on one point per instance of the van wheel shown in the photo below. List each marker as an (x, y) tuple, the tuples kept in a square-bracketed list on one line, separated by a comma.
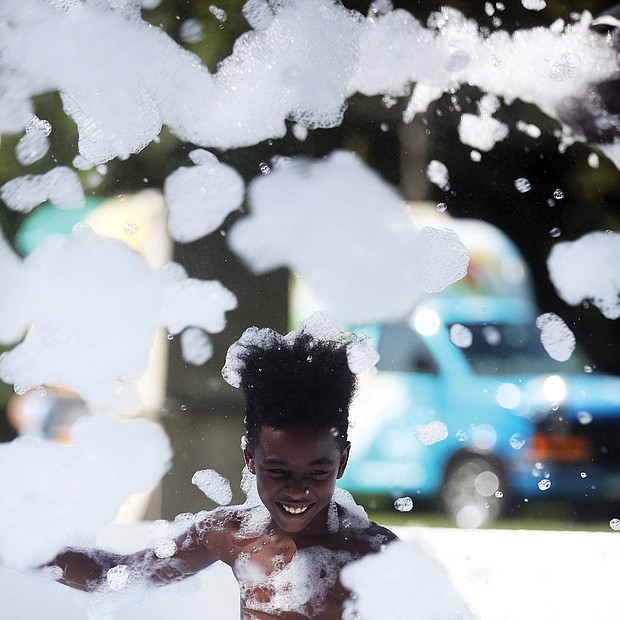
[(473, 491)]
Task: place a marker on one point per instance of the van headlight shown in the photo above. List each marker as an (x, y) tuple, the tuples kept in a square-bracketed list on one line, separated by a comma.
[(554, 389), (426, 322)]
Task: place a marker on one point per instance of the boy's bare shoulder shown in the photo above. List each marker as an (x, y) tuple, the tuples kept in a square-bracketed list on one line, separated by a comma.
[(227, 529), (362, 535), (374, 529), (226, 520), (373, 537)]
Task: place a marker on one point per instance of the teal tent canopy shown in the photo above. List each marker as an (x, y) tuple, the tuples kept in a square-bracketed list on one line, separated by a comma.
[(51, 221)]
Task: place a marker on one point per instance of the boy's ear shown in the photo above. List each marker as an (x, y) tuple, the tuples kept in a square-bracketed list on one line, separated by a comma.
[(249, 457), (344, 458)]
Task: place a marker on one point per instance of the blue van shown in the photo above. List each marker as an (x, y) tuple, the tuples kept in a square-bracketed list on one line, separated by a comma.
[(479, 426), (486, 417)]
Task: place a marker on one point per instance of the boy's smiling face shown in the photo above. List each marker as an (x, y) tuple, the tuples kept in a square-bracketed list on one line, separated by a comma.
[(296, 471)]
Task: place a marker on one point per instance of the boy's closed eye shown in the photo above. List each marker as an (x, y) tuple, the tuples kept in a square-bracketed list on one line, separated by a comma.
[(282, 473)]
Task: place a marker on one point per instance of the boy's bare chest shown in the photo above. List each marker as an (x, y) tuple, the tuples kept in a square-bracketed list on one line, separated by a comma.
[(278, 580)]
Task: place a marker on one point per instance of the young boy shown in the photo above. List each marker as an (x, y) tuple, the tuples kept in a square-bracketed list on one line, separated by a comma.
[(287, 544)]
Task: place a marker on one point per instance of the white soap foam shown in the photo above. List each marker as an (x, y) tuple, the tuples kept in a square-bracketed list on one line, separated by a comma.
[(200, 198), (320, 325), (61, 186), (213, 485), (556, 337), (460, 335), (588, 269), (431, 433), (196, 346), (121, 78), (55, 495), (347, 234), (89, 308), (481, 132), (31, 147), (437, 173), (376, 585)]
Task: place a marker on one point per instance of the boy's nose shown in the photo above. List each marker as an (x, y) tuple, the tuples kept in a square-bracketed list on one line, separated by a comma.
[(296, 488)]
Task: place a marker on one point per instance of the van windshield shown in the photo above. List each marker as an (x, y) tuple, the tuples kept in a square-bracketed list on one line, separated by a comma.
[(506, 348)]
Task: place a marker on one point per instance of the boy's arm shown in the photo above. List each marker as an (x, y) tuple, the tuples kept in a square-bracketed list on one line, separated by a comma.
[(88, 569), (84, 569)]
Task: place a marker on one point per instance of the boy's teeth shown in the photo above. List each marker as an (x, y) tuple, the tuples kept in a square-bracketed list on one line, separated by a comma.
[(295, 510)]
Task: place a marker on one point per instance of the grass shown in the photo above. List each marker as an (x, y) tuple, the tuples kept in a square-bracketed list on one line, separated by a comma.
[(551, 516)]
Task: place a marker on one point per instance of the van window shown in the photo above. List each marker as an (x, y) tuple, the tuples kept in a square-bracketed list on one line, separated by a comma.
[(403, 350), (506, 348)]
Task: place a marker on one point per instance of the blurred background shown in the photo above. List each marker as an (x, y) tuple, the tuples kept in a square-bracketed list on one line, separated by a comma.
[(202, 414)]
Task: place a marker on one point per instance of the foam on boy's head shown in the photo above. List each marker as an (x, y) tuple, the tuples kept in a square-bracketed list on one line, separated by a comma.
[(306, 378)]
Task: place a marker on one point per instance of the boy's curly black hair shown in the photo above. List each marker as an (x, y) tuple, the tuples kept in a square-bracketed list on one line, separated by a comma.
[(305, 382)]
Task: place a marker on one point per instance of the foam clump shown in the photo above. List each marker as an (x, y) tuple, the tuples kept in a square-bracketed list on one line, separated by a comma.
[(460, 335), (403, 504), (299, 586), (61, 186), (584, 270), (445, 258), (556, 337), (346, 233), (57, 495), (308, 56), (70, 291), (199, 198), (302, 55), (376, 586), (356, 515), (196, 346), (136, 73), (360, 355), (481, 132), (437, 173), (529, 64), (213, 485), (34, 144), (433, 432)]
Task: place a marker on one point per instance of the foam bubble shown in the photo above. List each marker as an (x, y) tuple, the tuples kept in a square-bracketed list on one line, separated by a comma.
[(200, 198), (213, 485), (377, 585), (460, 336), (71, 289), (517, 441), (196, 346), (31, 147), (42, 512), (300, 585), (191, 31), (523, 185), (320, 325), (481, 132), (403, 504), (376, 269), (544, 484), (534, 5), (121, 91), (361, 356), (61, 186), (531, 130), (431, 433), (580, 270), (437, 173), (558, 340)]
